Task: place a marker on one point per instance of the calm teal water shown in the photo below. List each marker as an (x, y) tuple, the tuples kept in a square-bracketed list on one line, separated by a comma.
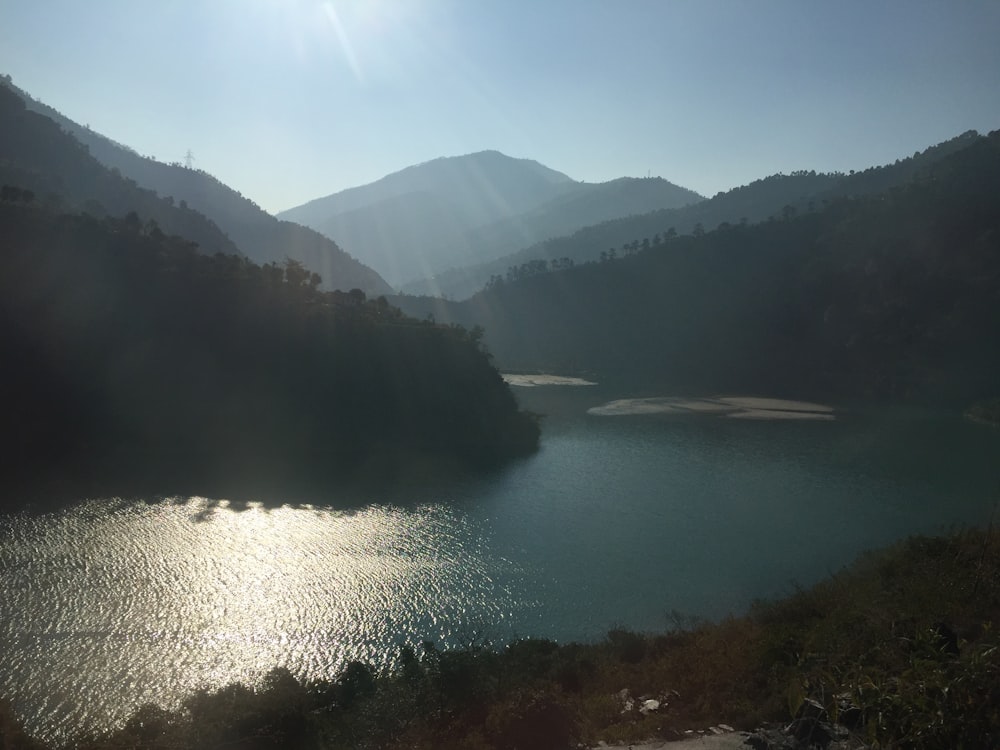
[(616, 521)]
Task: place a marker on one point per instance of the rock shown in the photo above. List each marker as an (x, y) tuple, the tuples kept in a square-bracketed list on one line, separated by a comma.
[(649, 705), (806, 733), (726, 728), (810, 732), (771, 739)]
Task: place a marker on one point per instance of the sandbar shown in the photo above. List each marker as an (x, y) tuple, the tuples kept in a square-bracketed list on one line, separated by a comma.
[(531, 381), (741, 407), (780, 404)]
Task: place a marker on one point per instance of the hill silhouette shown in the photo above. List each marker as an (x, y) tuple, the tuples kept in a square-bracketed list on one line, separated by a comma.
[(451, 211), (144, 367), (256, 234), (38, 156), (772, 196), (585, 205), (878, 293)]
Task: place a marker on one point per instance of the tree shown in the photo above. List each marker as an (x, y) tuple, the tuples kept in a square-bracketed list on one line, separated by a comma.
[(296, 274)]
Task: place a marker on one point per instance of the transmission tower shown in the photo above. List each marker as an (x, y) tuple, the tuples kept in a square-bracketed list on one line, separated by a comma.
[(188, 159)]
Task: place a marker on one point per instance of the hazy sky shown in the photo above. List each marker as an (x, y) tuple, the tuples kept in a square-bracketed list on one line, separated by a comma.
[(288, 100)]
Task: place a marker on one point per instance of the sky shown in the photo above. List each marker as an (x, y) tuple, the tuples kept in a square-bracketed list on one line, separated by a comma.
[(290, 100)]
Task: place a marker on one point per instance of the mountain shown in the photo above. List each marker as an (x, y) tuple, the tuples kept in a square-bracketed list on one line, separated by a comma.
[(455, 210), (417, 220), (139, 366), (257, 234), (799, 191), (37, 156), (586, 204), (877, 293)]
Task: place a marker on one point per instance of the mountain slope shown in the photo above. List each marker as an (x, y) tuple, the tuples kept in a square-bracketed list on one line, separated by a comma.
[(38, 156), (484, 186), (141, 366), (454, 211), (588, 204), (768, 197), (891, 293), (257, 234), (417, 220)]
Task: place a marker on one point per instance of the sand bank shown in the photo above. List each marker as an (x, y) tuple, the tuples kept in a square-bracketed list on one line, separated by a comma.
[(740, 407), (530, 381)]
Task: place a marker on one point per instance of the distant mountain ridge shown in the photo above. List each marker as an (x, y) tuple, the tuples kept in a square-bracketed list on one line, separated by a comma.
[(773, 196), (39, 157), (567, 214), (453, 211), (887, 289), (511, 186), (257, 234)]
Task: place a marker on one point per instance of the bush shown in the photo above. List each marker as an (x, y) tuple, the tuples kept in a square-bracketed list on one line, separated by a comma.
[(533, 720)]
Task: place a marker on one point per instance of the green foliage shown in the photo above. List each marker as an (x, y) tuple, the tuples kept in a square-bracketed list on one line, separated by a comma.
[(628, 646), (537, 719), (874, 294), (150, 368)]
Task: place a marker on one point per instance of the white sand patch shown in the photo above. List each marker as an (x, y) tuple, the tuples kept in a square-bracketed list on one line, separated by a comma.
[(530, 381), (702, 405), (780, 404), (742, 407), (626, 406)]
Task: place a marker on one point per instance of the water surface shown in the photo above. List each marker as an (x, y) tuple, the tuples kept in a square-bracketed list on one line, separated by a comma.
[(616, 521)]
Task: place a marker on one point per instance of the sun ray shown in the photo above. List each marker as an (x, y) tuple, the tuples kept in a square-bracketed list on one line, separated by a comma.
[(330, 11)]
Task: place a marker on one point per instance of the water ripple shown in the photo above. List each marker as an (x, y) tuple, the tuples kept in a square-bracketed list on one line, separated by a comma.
[(111, 605)]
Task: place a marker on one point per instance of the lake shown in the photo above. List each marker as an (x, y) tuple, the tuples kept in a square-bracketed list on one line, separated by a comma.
[(633, 520)]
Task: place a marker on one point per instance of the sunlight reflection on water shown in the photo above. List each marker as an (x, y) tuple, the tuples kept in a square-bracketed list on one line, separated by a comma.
[(108, 606), (616, 521)]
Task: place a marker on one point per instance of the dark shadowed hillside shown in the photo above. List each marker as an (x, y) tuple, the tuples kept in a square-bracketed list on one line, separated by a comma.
[(142, 366), (256, 233), (887, 294), (775, 196), (38, 156)]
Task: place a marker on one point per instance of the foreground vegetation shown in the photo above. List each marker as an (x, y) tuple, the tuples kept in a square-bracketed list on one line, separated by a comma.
[(900, 647)]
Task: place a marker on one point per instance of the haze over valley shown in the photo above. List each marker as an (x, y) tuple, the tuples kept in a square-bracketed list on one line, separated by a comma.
[(512, 377)]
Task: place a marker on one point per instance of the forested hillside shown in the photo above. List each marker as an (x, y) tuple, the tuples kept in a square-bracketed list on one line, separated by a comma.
[(255, 233), (36, 155), (136, 364), (586, 204), (777, 196), (888, 293)]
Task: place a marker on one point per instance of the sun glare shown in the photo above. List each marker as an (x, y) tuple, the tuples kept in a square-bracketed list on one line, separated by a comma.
[(343, 38)]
